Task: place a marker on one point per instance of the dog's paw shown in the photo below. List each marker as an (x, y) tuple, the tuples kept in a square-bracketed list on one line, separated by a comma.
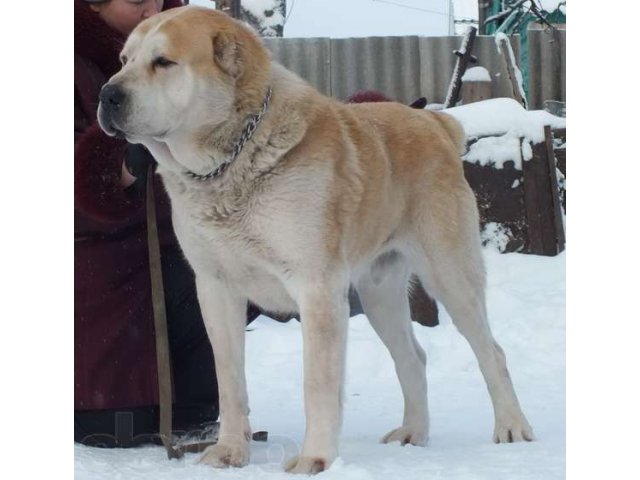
[(307, 465), (516, 429), (406, 435), (223, 456)]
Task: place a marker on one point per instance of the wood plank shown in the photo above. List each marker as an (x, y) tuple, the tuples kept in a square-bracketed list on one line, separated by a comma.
[(464, 58), (475, 91), (539, 201), (561, 157), (534, 227), (515, 86), (555, 196)]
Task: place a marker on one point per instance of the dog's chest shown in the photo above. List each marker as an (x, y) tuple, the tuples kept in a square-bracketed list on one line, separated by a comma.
[(232, 246)]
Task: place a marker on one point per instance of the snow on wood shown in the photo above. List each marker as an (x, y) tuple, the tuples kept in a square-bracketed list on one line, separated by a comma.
[(267, 16), (499, 124), (515, 75), (476, 74), (498, 116), (495, 151), (464, 57)]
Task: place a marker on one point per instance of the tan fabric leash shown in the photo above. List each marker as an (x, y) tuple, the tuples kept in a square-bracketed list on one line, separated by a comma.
[(163, 354)]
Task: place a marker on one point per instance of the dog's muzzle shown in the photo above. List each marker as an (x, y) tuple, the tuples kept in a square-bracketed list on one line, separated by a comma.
[(111, 109)]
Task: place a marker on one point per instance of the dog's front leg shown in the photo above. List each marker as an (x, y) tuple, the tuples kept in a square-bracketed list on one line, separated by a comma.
[(324, 310), (224, 314)]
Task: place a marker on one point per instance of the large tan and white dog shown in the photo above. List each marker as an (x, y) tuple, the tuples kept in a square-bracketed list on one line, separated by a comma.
[(285, 197)]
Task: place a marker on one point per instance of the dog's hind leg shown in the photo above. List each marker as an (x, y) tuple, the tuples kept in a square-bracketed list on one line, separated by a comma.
[(383, 293), (450, 266)]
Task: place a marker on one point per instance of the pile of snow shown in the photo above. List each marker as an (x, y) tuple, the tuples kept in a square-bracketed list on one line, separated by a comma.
[(500, 124), (476, 74), (496, 236), (526, 304)]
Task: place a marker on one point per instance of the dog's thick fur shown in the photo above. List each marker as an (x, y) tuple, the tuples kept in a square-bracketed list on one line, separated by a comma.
[(323, 196)]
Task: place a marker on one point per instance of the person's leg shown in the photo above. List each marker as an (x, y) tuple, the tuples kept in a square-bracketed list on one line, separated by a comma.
[(193, 366), (117, 427)]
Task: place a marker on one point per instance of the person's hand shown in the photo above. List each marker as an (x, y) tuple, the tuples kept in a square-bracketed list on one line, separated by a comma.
[(137, 161), (126, 179)]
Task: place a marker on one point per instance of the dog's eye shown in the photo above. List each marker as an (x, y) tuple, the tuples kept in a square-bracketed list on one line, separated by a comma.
[(162, 62), (123, 60)]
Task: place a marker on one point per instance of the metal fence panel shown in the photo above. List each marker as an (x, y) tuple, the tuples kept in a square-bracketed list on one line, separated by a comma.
[(388, 64), (308, 57), (438, 61), (403, 68), (547, 66)]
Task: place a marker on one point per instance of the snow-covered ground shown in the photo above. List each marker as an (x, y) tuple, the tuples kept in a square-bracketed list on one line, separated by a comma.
[(526, 301)]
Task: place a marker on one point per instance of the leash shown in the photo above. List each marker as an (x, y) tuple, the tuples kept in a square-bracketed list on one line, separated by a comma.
[(163, 355)]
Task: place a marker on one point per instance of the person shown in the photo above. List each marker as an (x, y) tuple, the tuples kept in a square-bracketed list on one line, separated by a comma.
[(115, 371)]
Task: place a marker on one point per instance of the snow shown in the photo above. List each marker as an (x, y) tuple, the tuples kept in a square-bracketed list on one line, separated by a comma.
[(476, 74), (526, 303), (504, 115), (500, 124), (259, 9), (496, 151)]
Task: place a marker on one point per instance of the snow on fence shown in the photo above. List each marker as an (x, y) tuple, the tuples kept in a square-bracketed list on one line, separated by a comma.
[(521, 209), (512, 167)]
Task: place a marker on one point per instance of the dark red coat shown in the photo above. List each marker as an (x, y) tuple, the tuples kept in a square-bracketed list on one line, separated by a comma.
[(115, 359)]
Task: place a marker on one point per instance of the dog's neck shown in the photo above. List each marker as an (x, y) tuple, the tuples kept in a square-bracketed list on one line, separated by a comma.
[(224, 144)]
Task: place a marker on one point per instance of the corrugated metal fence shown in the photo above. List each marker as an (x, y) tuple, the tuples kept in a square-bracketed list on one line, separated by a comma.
[(404, 68), (547, 66)]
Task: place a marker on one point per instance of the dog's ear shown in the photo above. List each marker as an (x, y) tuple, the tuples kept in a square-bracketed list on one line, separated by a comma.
[(227, 54)]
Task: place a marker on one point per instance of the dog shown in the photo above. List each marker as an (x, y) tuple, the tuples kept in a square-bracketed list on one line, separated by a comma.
[(284, 197)]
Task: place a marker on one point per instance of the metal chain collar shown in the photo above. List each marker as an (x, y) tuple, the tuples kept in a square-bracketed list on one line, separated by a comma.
[(245, 136)]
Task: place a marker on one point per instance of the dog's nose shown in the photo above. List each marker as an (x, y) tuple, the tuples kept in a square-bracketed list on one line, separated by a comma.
[(112, 96)]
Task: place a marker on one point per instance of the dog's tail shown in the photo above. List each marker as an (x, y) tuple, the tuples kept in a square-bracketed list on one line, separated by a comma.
[(455, 130)]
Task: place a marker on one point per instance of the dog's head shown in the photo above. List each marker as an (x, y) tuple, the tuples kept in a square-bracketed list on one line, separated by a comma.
[(183, 70)]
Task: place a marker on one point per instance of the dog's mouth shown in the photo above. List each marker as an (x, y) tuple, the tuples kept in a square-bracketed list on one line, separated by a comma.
[(108, 125), (115, 132)]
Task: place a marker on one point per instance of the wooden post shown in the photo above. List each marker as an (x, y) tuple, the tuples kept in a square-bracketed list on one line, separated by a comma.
[(464, 58), (555, 194), (475, 91), (476, 85), (561, 152), (509, 60), (545, 231)]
